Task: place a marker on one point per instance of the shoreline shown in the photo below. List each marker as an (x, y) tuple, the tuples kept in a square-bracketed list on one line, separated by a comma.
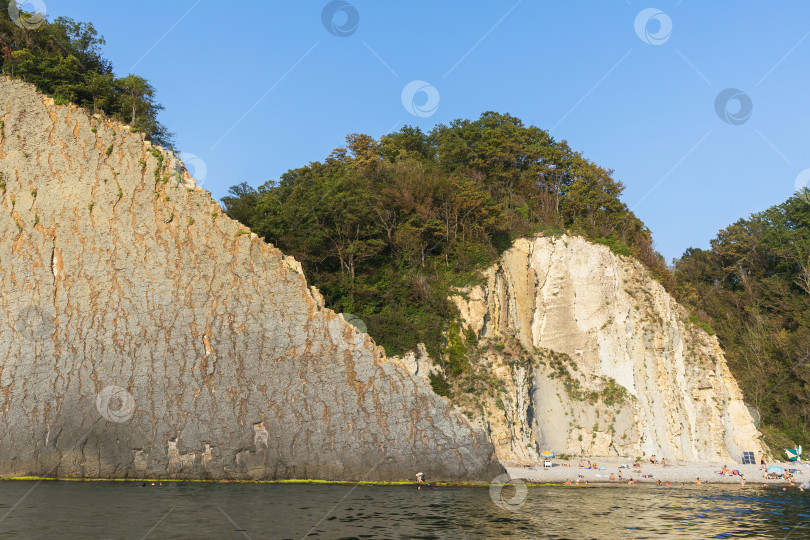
[(533, 475), (677, 473), (292, 481)]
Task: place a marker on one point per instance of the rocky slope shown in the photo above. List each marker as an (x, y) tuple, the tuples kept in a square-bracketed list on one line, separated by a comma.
[(145, 334), (591, 356)]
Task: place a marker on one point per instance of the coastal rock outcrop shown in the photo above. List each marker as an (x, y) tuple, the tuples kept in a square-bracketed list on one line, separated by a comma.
[(593, 357), (145, 334)]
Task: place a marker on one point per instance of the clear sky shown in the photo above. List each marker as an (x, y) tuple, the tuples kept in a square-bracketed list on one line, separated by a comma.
[(254, 88)]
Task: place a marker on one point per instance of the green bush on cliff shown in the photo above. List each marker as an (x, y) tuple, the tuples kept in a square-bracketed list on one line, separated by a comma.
[(439, 384), (616, 246), (703, 324), (455, 353), (62, 58)]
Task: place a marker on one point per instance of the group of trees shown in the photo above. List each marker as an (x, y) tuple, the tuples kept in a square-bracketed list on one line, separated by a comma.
[(386, 229), (753, 287), (62, 58)]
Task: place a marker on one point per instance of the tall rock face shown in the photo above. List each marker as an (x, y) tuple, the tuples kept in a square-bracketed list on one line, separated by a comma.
[(145, 334), (607, 363)]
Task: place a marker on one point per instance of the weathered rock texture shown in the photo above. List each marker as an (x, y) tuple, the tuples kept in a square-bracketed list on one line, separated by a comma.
[(608, 363), (115, 270)]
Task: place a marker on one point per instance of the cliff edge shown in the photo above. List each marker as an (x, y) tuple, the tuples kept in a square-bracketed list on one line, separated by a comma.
[(145, 334)]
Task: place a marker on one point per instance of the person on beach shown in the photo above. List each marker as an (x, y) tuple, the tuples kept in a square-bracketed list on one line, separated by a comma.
[(652, 459), (581, 464), (697, 481), (663, 462), (667, 484), (612, 477), (630, 481), (620, 476), (762, 462), (420, 477), (742, 479), (568, 482), (594, 466)]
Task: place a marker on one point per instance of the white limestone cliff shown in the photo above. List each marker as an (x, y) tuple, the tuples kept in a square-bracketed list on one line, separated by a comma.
[(612, 364)]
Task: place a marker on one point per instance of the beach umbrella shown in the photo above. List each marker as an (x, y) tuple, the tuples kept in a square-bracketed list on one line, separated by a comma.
[(548, 454), (775, 469), (794, 454)]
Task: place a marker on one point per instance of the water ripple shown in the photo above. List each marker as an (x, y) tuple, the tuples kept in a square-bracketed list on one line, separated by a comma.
[(126, 510)]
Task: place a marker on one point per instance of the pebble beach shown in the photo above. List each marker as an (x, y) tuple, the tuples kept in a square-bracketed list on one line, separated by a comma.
[(674, 472)]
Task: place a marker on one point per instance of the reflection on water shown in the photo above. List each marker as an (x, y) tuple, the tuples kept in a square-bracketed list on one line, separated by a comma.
[(126, 510)]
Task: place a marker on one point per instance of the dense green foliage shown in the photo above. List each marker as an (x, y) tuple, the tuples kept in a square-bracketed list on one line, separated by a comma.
[(753, 288), (62, 58), (387, 229)]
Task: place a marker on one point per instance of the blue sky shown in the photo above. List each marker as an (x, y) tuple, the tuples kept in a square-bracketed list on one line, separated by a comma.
[(254, 88)]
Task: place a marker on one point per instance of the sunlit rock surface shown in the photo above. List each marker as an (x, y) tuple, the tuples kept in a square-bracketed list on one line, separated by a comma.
[(145, 334), (617, 368)]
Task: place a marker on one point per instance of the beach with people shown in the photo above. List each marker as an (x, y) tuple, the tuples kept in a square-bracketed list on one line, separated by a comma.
[(672, 473)]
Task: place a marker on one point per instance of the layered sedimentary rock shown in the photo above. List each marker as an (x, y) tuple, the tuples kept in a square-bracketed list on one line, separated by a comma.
[(144, 334), (608, 363)]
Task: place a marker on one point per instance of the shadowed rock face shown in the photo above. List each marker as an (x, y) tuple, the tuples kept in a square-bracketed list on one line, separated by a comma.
[(144, 334)]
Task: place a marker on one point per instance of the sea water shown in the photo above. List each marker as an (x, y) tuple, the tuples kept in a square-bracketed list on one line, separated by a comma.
[(197, 510)]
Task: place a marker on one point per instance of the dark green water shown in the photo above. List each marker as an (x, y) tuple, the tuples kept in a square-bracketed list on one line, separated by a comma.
[(126, 510)]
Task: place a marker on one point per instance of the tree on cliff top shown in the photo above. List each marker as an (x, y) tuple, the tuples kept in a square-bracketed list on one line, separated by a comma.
[(387, 229), (62, 58)]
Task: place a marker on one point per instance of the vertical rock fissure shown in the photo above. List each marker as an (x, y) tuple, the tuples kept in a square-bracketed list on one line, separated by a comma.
[(159, 283), (612, 380)]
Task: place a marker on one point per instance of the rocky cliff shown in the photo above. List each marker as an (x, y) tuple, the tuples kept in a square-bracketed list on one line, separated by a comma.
[(145, 334), (589, 355)]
